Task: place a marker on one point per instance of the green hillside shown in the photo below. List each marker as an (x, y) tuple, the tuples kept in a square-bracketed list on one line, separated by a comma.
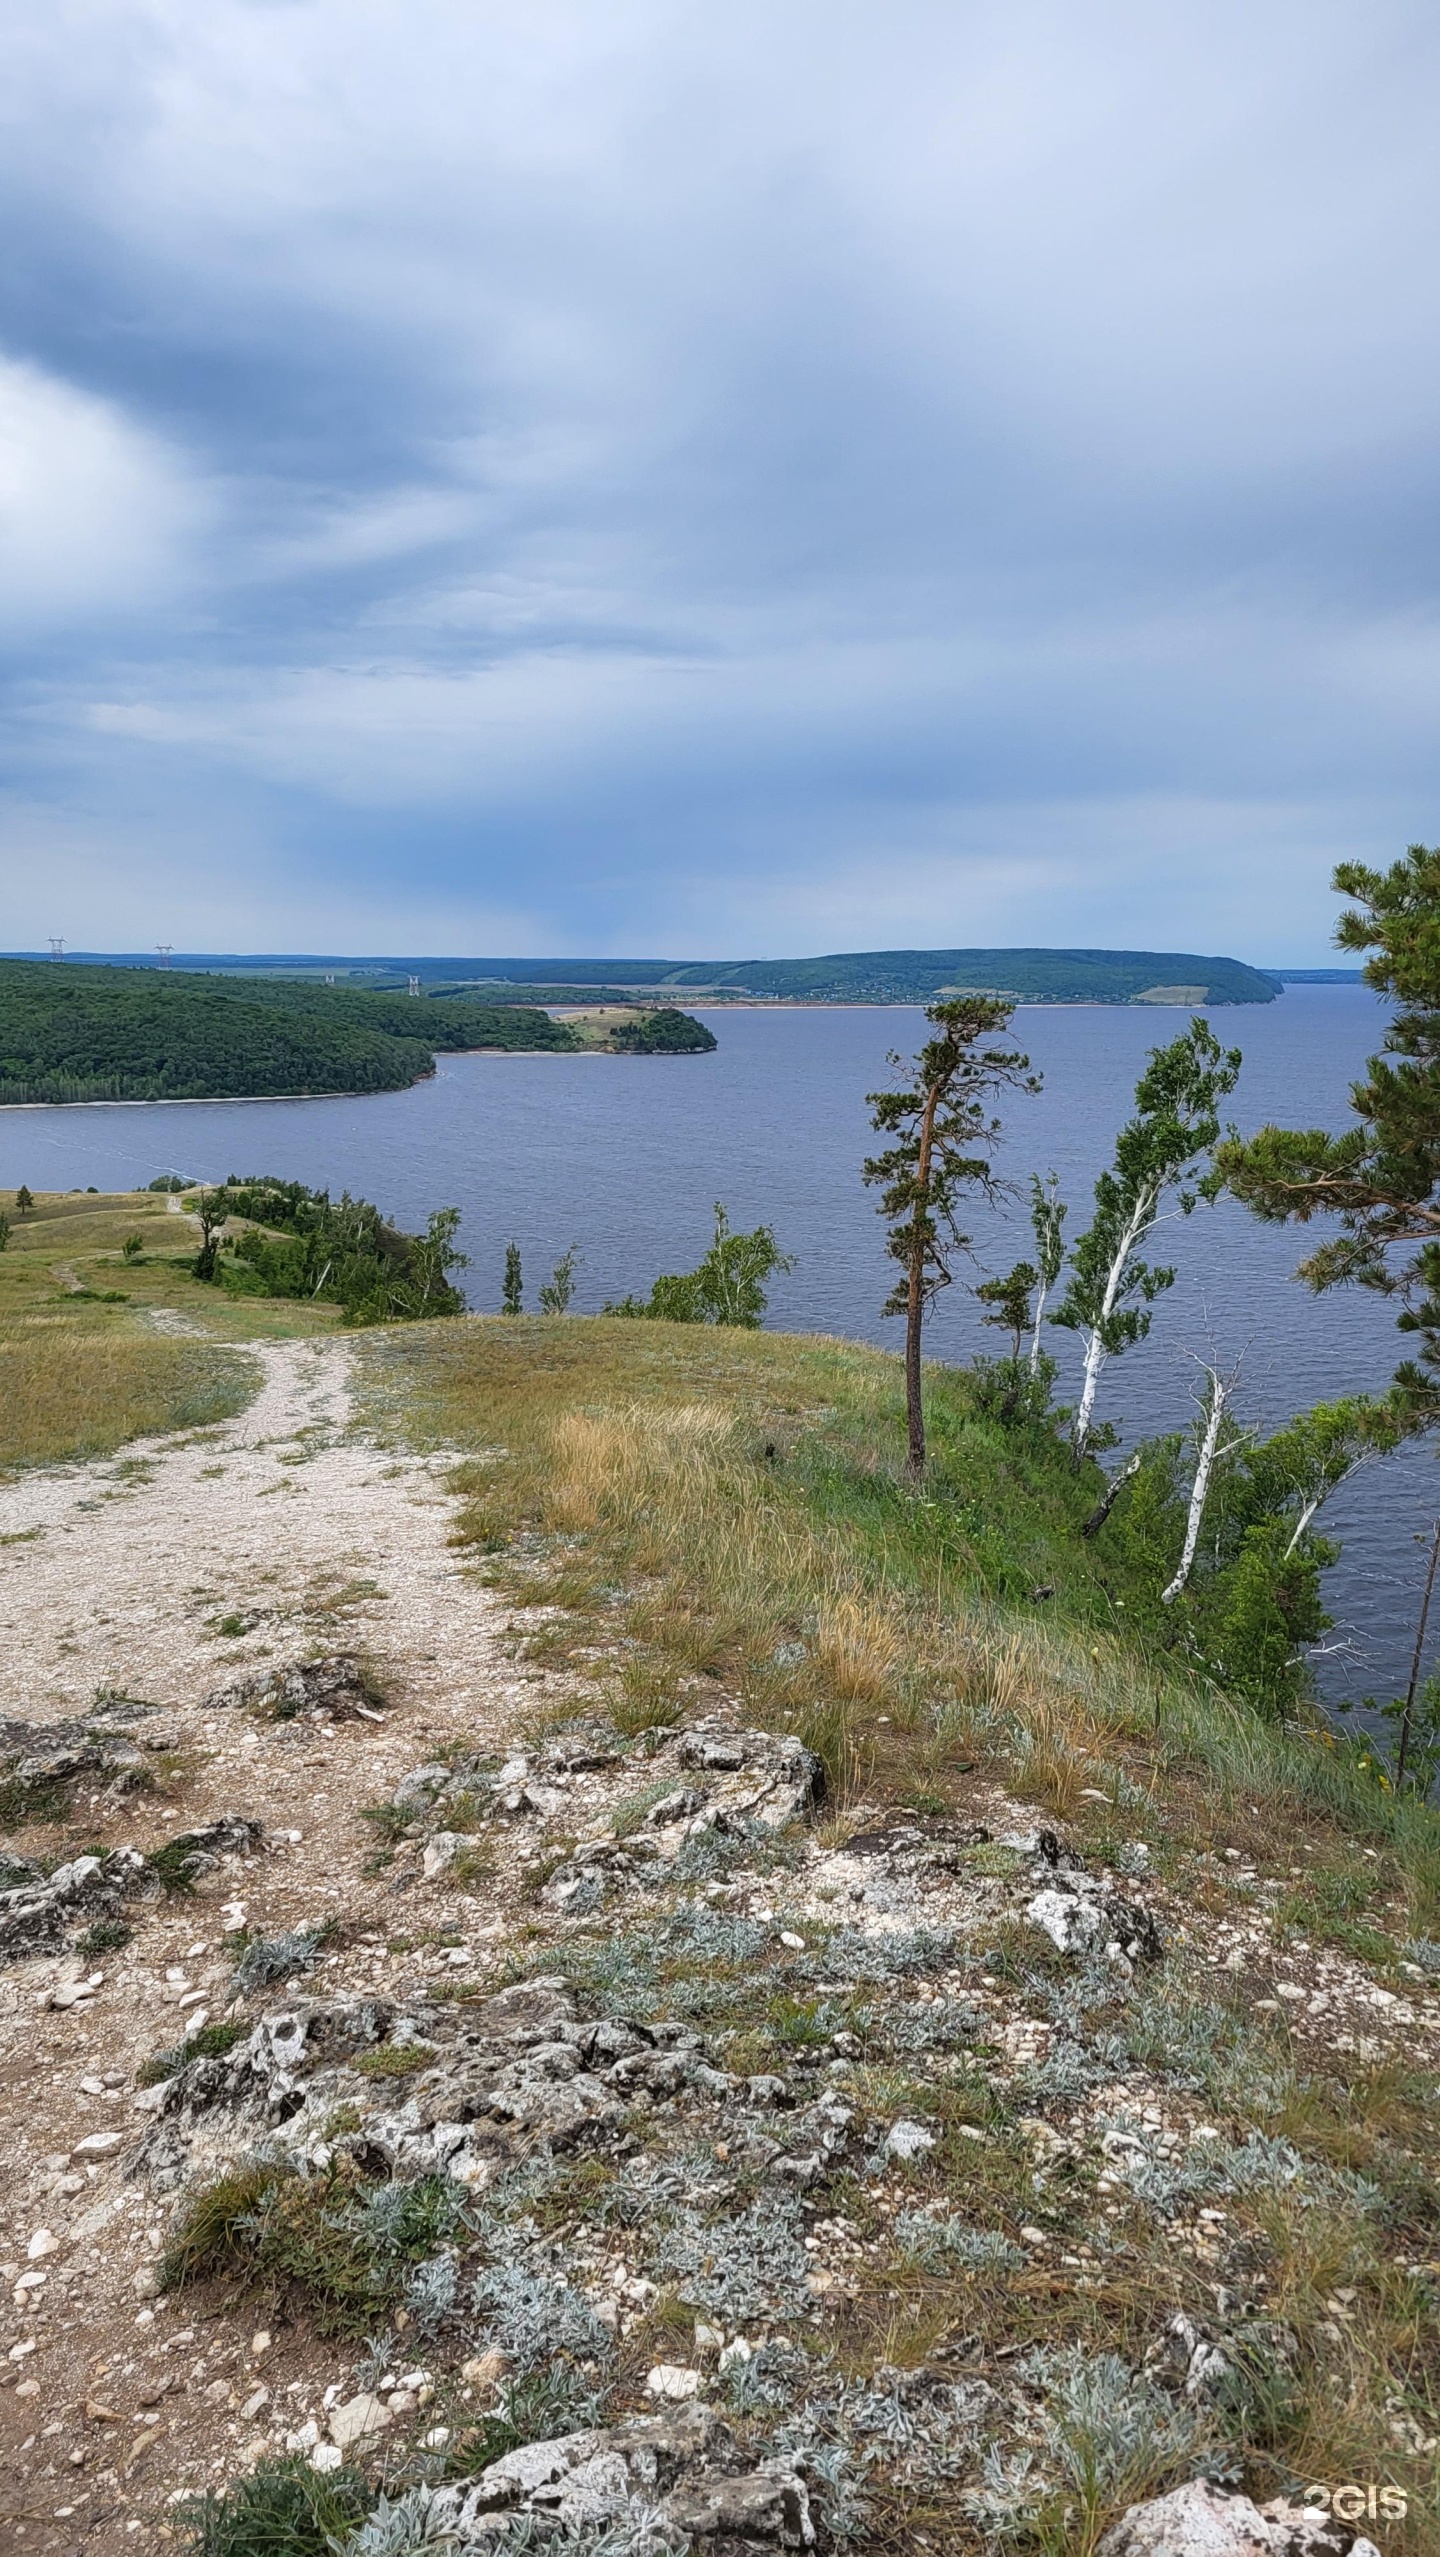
[(1036, 976), (129, 1034)]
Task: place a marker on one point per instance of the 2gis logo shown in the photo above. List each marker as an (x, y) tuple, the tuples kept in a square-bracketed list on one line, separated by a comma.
[(1356, 2502)]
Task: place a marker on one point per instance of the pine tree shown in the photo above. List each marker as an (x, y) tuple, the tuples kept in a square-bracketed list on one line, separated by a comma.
[(945, 1136), (510, 1293)]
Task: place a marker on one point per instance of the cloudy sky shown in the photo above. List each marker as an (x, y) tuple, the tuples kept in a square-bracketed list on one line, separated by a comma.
[(623, 476)]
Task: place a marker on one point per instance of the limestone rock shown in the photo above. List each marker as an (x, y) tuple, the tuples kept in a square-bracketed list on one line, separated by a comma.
[(338, 1688), (39, 1917), (1197, 2520)]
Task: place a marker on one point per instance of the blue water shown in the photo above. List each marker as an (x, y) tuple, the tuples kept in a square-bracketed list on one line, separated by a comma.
[(625, 1156)]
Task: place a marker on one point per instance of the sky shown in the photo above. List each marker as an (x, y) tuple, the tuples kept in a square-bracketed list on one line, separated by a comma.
[(600, 477)]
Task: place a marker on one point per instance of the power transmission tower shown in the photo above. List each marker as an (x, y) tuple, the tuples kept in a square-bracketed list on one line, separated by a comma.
[(57, 946), (164, 948), (414, 985)]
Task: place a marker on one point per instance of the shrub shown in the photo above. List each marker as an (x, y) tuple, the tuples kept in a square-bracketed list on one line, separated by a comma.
[(284, 2508)]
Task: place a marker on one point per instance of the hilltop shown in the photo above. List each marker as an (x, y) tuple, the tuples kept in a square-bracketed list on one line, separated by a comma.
[(553, 1901)]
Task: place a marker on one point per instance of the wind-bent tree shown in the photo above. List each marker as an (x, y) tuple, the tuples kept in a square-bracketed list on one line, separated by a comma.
[(1008, 1301), (1047, 1218), (944, 1136), (512, 1286), (1176, 1124), (1297, 1470), (1381, 1178)]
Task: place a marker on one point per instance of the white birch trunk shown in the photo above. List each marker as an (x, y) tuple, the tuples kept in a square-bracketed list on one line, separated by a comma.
[(1302, 1522), (1220, 1390), (1039, 1319), (1142, 1217)]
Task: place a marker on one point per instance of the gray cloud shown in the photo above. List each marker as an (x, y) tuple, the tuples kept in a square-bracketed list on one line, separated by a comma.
[(668, 477)]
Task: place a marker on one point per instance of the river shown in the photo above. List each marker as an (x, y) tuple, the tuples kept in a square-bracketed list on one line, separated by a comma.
[(625, 1156)]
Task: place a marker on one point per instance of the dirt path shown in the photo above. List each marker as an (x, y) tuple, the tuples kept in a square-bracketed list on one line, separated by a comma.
[(128, 1569), (139, 1574)]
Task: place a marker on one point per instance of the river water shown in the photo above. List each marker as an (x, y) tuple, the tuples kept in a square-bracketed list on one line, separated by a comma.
[(626, 1155)]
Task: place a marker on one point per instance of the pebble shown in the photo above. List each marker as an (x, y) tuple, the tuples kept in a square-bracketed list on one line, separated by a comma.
[(44, 2242), (672, 2382)]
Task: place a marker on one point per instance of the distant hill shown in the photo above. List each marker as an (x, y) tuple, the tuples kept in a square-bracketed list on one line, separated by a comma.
[(72, 1033), (863, 976)]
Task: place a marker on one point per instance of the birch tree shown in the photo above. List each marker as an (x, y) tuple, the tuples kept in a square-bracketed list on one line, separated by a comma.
[(944, 1135), (1157, 1153), (1297, 1470), (1047, 1218), (1219, 1391)]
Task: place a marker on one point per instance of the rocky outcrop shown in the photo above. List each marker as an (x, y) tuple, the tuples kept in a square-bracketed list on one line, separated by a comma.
[(46, 1914), (1197, 2520), (678, 2480), (339, 1688)]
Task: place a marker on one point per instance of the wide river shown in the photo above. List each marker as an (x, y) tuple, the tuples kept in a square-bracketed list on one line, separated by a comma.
[(625, 1157)]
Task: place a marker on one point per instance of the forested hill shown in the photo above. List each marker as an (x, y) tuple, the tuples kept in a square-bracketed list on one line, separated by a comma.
[(847, 976), (1035, 976), (72, 1033)]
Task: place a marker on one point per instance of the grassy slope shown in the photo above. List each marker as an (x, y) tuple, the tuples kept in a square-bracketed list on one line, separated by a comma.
[(689, 1508), (748, 1484), (80, 1375)]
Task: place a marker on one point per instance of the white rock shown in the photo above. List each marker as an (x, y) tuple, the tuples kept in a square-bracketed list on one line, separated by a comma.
[(669, 2380), (97, 2144), (358, 2419), (796, 1943), (44, 2242), (906, 2140), (1070, 1922), (1198, 2521), (736, 2351), (440, 1853), (327, 2456)]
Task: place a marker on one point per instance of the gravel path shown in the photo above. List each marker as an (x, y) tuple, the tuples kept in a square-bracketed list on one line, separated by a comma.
[(289, 1516)]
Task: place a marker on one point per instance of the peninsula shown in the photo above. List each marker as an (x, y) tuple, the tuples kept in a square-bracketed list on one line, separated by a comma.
[(105, 1033)]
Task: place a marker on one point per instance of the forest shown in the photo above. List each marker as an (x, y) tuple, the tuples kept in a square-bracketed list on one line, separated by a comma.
[(71, 1033)]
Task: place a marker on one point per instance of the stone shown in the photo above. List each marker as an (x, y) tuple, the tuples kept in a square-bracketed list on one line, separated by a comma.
[(336, 1689), (1198, 2520), (40, 1916), (358, 2420), (906, 2140), (771, 2508), (441, 1850), (44, 2242), (98, 2144), (671, 2380)]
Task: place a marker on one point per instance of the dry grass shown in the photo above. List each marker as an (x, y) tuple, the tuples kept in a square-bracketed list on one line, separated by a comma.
[(726, 1508), (69, 1390)]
